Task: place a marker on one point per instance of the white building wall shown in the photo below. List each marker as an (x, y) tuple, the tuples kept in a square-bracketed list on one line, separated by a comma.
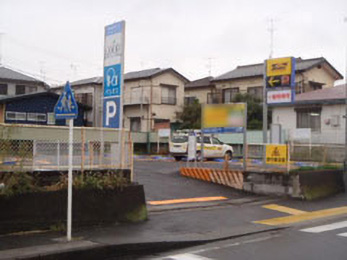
[(332, 123)]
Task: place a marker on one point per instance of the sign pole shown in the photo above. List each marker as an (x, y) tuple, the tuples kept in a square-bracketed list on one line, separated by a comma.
[(264, 116), (245, 139), (69, 192), (67, 108)]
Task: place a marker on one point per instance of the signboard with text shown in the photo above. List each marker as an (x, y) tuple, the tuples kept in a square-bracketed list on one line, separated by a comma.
[(113, 74), (280, 80), (223, 118), (276, 154)]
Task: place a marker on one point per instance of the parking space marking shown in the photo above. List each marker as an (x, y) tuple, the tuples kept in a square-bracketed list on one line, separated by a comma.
[(188, 200), (303, 217), (324, 228), (284, 209)]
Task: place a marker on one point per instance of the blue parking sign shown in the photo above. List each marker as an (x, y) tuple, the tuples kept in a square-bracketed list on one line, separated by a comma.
[(112, 80), (111, 112)]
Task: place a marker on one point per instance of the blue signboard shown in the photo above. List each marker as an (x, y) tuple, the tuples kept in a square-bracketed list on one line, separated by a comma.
[(111, 116), (66, 107), (220, 130), (112, 80)]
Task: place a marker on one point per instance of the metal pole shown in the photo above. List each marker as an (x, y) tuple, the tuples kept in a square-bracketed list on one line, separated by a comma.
[(345, 162), (120, 132), (264, 115), (69, 196), (245, 139)]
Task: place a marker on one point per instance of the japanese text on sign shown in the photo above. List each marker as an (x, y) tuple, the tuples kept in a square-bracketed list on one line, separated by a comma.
[(276, 154)]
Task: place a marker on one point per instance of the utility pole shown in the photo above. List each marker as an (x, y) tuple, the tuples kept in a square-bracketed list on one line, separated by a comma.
[(265, 112), (345, 162), (1, 35)]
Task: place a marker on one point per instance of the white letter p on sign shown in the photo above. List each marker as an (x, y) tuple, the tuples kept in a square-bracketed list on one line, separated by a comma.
[(111, 110)]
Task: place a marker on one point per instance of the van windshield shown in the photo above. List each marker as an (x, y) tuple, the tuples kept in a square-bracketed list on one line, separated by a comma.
[(179, 139)]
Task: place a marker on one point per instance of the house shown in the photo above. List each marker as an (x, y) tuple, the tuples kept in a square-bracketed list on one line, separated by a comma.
[(151, 98), (35, 108), (311, 74), (323, 111), (15, 83), (201, 89)]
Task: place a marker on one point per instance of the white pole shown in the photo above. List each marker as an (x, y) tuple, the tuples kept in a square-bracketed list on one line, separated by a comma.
[(69, 192)]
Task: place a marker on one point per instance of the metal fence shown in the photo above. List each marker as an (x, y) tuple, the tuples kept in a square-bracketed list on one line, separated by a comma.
[(46, 148)]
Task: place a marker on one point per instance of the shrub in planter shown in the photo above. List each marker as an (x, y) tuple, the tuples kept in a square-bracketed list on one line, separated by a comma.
[(98, 198)]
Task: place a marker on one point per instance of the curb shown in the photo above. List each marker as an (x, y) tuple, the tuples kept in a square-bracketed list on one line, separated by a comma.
[(101, 251)]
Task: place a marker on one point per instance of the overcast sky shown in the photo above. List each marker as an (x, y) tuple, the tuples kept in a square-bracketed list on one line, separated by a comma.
[(63, 39)]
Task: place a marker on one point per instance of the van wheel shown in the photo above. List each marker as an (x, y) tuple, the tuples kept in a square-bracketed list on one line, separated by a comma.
[(178, 158), (229, 155)]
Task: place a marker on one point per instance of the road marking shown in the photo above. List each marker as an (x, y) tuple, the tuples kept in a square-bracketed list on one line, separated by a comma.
[(303, 217), (202, 199), (187, 257), (284, 209), (342, 235), (324, 228)]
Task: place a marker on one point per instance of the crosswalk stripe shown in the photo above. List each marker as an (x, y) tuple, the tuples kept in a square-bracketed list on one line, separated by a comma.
[(324, 228), (342, 235), (188, 257)]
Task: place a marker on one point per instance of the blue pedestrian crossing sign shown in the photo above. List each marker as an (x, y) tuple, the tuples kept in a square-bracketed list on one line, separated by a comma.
[(66, 107)]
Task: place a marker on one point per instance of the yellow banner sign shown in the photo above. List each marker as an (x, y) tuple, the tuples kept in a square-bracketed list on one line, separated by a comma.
[(276, 154), (223, 115), (278, 67)]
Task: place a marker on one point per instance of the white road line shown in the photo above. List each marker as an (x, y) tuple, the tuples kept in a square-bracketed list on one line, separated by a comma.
[(187, 257), (324, 228), (342, 235)]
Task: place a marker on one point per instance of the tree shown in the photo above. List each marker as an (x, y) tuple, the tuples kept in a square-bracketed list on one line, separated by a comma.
[(254, 110), (190, 116)]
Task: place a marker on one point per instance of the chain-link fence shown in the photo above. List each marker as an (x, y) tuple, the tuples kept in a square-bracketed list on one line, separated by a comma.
[(32, 148)]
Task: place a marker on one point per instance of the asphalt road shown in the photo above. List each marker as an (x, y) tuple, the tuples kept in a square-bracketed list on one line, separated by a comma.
[(162, 181), (294, 243)]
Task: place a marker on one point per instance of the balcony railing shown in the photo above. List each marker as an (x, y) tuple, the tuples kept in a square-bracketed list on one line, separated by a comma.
[(168, 100)]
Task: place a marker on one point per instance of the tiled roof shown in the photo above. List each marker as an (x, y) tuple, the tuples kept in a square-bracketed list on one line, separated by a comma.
[(204, 82), (258, 69), (142, 73), (134, 75), (10, 74), (333, 93), (94, 80)]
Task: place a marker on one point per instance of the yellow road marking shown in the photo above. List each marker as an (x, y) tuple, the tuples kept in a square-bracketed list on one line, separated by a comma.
[(284, 209), (203, 199), (303, 217)]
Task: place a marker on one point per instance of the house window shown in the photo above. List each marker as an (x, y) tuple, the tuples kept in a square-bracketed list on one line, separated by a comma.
[(168, 95), (256, 92), (229, 94), (85, 98), (189, 100), (20, 89), (37, 117), (3, 89), (32, 89), (16, 116), (135, 124), (50, 119), (213, 98), (309, 118)]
